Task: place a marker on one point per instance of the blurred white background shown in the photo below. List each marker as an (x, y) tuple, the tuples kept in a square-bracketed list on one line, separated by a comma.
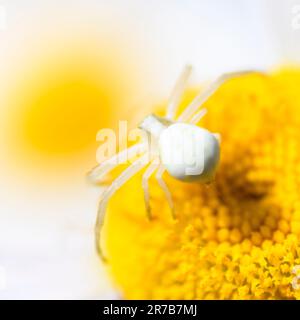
[(47, 215)]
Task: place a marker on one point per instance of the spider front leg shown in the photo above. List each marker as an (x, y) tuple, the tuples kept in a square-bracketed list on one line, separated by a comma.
[(206, 94), (177, 92), (145, 184), (163, 185), (100, 171), (198, 116), (129, 172)]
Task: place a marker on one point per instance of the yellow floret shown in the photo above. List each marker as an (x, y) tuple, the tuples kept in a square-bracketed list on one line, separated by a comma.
[(237, 238)]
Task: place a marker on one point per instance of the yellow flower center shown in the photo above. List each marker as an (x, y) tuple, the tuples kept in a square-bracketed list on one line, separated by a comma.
[(237, 238)]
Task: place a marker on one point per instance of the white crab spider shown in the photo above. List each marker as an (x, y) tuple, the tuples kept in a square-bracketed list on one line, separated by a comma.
[(165, 130)]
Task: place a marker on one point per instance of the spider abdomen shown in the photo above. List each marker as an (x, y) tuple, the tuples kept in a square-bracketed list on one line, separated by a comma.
[(189, 153)]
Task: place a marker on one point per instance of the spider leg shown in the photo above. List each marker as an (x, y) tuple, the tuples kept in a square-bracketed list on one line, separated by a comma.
[(100, 171), (145, 184), (212, 88), (177, 92), (198, 116), (163, 185), (135, 167)]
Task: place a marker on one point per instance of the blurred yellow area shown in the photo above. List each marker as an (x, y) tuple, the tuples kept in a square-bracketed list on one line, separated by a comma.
[(60, 101)]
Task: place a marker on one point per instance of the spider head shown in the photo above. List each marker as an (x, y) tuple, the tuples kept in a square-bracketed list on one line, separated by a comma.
[(154, 125)]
